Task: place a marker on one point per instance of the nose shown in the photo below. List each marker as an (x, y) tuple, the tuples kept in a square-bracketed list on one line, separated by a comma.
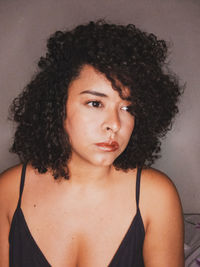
[(112, 121)]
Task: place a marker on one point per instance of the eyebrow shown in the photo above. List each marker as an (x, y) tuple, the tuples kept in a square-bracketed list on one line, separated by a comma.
[(93, 93)]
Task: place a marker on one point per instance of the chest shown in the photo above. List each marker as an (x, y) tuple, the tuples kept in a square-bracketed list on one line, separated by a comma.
[(81, 235), (81, 227), (81, 251)]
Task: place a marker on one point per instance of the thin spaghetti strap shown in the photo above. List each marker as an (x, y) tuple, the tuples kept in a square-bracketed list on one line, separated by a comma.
[(138, 186), (21, 184)]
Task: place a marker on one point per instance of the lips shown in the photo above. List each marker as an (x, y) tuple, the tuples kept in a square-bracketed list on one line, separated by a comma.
[(108, 146)]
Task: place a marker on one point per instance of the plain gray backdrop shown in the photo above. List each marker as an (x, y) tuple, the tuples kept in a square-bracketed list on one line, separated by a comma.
[(25, 26)]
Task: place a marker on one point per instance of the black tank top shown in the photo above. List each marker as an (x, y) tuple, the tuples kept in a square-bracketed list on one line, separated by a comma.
[(24, 251)]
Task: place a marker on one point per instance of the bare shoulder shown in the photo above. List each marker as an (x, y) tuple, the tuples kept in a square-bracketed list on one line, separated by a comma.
[(161, 207), (158, 193), (157, 186), (10, 172), (9, 177), (9, 188)]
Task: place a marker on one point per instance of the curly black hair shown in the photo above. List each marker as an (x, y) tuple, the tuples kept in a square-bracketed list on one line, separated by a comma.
[(125, 55)]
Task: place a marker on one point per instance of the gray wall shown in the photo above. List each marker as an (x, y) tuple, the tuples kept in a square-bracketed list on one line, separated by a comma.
[(25, 26)]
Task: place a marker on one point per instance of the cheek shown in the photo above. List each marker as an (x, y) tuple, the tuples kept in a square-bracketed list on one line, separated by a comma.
[(132, 126), (129, 127), (70, 125), (71, 128), (78, 125)]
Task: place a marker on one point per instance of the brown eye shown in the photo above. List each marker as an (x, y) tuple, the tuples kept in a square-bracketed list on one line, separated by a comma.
[(95, 104)]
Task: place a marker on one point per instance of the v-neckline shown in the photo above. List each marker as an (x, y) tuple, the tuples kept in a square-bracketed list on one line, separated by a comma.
[(44, 259), (41, 254), (125, 238)]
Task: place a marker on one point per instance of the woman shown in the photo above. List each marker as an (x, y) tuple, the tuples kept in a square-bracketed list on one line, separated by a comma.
[(88, 127)]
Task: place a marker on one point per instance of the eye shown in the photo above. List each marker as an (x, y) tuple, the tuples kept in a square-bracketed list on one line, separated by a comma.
[(95, 104), (127, 108)]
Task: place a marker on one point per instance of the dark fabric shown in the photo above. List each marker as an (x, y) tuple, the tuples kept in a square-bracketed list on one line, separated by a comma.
[(24, 252)]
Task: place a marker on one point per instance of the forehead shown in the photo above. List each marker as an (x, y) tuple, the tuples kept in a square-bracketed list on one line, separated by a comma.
[(90, 78)]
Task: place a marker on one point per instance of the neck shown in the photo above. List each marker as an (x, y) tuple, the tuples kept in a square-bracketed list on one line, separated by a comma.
[(84, 173)]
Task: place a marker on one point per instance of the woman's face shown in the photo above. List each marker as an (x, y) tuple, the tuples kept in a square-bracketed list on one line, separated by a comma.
[(98, 123)]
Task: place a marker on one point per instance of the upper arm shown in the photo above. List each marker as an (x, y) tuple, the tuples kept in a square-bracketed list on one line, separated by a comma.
[(163, 245), (4, 224), (9, 184), (4, 245)]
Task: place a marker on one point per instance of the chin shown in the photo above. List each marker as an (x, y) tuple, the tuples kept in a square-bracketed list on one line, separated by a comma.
[(103, 161)]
